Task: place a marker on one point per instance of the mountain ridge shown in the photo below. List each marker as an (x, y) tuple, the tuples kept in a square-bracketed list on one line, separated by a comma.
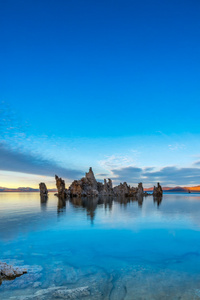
[(23, 189), (178, 189), (167, 189)]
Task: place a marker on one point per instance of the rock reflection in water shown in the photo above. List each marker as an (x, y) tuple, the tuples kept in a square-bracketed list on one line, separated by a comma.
[(140, 200), (157, 200), (125, 200), (61, 207), (43, 202), (90, 204)]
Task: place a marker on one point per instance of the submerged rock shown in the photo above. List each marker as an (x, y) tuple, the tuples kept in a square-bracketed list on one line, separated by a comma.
[(34, 274), (9, 272), (60, 292), (72, 293)]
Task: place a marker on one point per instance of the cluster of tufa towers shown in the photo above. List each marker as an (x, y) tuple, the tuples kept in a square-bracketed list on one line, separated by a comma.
[(88, 186)]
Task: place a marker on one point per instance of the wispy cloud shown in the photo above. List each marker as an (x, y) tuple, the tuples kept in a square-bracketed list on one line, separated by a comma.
[(18, 153), (116, 161), (176, 146)]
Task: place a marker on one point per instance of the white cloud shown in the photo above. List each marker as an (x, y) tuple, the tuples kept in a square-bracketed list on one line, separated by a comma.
[(116, 161), (176, 146)]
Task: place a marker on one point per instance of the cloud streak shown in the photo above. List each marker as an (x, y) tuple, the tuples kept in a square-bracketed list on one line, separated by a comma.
[(17, 161), (13, 156)]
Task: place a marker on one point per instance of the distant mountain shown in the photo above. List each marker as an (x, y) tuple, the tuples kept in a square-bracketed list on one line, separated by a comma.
[(23, 190), (151, 189), (178, 189), (167, 189)]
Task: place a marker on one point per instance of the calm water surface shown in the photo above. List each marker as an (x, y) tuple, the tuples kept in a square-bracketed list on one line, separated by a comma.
[(120, 249)]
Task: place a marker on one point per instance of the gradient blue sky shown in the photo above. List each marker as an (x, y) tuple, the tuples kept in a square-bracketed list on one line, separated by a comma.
[(109, 84)]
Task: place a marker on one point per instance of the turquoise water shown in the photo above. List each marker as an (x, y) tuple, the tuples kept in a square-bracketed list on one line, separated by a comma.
[(119, 248)]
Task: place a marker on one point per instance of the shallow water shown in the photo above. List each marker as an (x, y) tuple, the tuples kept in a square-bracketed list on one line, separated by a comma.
[(119, 248)]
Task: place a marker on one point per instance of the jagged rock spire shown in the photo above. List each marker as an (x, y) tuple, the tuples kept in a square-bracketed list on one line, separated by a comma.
[(157, 191), (43, 189), (60, 184)]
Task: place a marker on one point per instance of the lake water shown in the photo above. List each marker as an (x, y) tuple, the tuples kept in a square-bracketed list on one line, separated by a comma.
[(119, 248)]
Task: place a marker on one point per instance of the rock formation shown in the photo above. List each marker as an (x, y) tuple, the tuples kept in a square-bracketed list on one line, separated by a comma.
[(140, 190), (85, 187), (91, 179), (9, 272), (88, 186), (122, 190), (106, 189), (125, 190), (60, 184), (157, 191), (43, 189)]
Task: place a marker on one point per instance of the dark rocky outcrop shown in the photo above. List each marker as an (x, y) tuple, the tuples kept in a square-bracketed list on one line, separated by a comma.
[(43, 189), (60, 184), (88, 186), (9, 272), (107, 188), (140, 190), (91, 179), (125, 190), (122, 190), (157, 191)]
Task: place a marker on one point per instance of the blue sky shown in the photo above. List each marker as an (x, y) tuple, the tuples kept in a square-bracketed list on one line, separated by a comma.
[(108, 84)]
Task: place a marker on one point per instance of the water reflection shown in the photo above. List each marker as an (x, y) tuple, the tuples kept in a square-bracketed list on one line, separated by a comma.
[(157, 200), (61, 207), (43, 202), (26, 212), (91, 204), (129, 239)]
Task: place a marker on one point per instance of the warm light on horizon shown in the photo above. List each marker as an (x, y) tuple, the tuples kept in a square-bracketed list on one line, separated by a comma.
[(15, 180)]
